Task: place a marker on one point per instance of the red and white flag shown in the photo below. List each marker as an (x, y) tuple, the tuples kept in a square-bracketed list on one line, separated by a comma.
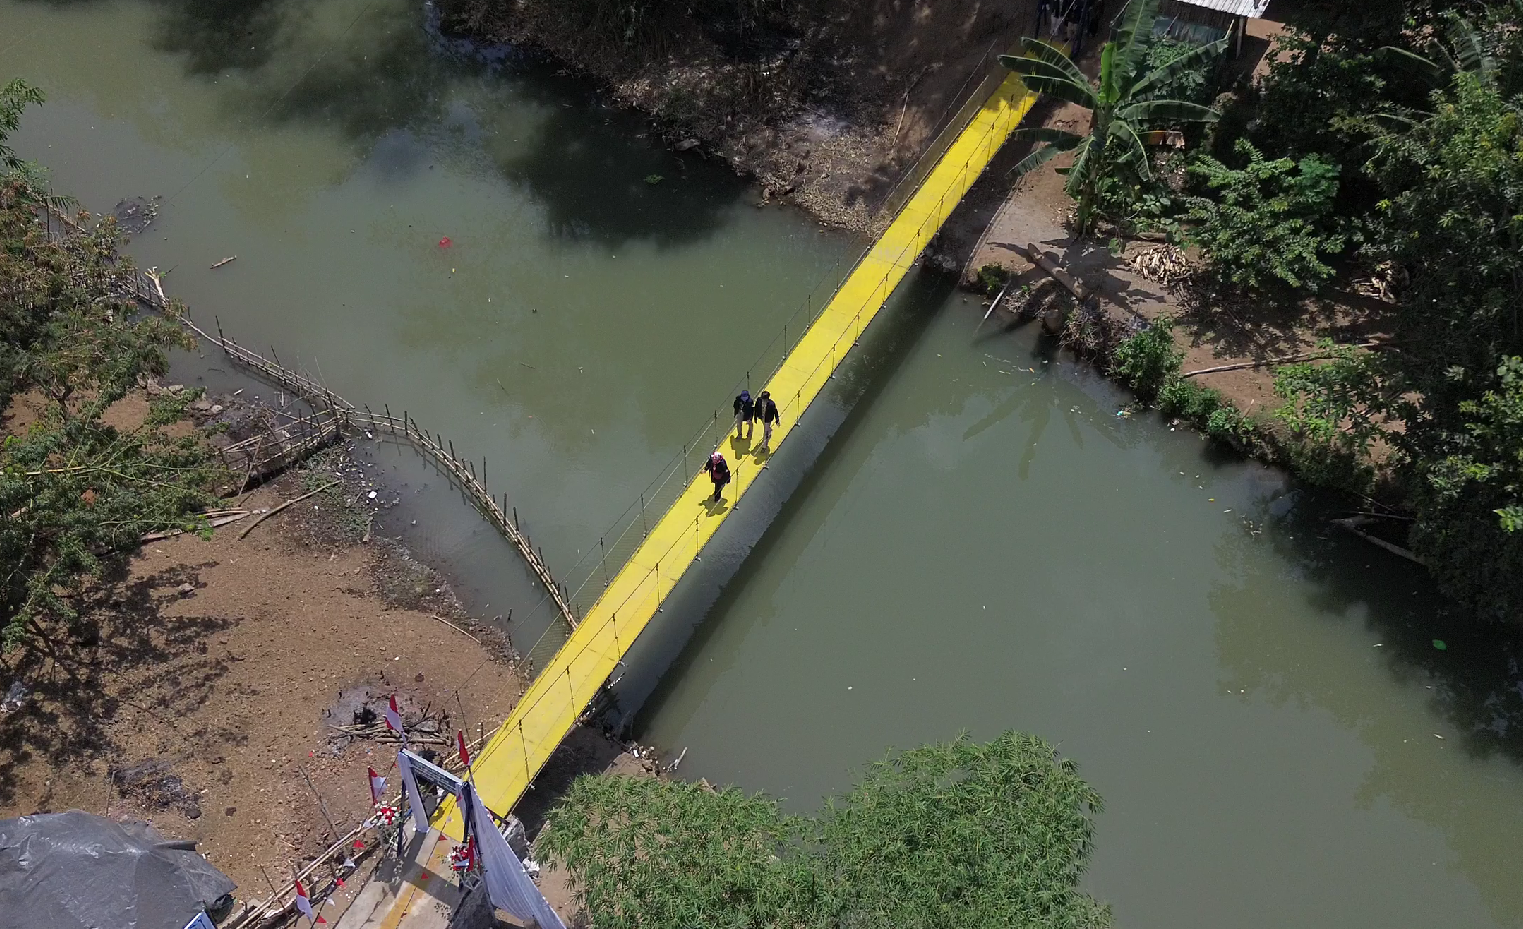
[(393, 717), (465, 753), (304, 905), (377, 784)]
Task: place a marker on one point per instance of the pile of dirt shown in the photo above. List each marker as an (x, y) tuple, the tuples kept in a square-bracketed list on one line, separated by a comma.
[(826, 105)]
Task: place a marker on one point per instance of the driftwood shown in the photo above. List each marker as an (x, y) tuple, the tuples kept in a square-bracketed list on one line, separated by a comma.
[(224, 261), (441, 618), (214, 517), (1071, 283), (1287, 359), (1353, 523), (267, 514)]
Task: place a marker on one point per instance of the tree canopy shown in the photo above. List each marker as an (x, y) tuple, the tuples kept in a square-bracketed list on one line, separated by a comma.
[(77, 492), (958, 833)]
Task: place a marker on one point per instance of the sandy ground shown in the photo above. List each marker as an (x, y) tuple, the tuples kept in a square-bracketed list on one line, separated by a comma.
[(204, 690), (199, 692)]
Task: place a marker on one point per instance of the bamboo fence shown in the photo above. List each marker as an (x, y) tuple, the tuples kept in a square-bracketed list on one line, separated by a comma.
[(336, 415)]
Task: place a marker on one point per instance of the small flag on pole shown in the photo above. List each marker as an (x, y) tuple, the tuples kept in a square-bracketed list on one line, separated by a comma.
[(465, 753), (377, 784), (304, 905), (394, 717)]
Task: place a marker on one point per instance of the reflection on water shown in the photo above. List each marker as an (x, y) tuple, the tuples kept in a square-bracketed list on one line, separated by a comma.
[(989, 545), (584, 319)]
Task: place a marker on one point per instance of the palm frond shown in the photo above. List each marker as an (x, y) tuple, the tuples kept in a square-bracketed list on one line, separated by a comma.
[(1469, 53), (1036, 67), (1035, 160), (1046, 51), (1090, 153), (1147, 112), (1136, 154), (1426, 70), (1134, 29), (1159, 79), (1064, 90)]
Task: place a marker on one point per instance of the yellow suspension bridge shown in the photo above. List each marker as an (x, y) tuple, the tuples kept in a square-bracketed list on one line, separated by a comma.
[(507, 765)]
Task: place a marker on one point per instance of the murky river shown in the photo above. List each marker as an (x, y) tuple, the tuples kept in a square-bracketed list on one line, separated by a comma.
[(981, 543)]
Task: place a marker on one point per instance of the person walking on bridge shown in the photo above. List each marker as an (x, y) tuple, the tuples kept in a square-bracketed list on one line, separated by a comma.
[(766, 411), (719, 472), (745, 408)]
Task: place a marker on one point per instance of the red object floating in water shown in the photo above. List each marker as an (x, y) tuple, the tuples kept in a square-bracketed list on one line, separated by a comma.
[(445, 242)]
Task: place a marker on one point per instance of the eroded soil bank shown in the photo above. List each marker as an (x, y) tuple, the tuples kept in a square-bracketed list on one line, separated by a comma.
[(826, 105)]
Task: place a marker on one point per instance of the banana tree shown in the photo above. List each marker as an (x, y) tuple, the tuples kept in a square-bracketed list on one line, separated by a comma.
[(1130, 107)]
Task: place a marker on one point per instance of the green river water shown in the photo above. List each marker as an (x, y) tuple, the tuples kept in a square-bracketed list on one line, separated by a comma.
[(971, 539)]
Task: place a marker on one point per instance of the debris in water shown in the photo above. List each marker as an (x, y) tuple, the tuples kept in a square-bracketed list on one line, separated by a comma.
[(445, 242)]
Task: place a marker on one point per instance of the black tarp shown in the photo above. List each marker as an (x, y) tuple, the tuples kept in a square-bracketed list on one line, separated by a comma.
[(76, 870)]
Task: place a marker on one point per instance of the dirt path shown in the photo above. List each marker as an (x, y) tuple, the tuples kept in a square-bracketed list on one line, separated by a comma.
[(1037, 211)]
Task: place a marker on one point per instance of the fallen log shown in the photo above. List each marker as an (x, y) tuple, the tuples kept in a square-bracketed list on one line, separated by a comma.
[(1353, 523)]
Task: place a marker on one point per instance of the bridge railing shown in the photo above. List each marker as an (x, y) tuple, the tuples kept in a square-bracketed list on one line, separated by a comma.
[(926, 210)]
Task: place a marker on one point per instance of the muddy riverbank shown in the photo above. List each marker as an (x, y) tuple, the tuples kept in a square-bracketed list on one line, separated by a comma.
[(824, 105)]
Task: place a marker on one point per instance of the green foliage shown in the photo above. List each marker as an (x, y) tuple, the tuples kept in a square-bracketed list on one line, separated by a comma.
[(1453, 218), (1197, 82), (651, 853), (960, 833), (14, 99), (1148, 361), (78, 492), (1131, 105), (1332, 421), (991, 278), (1314, 98), (1269, 223), (1470, 497)]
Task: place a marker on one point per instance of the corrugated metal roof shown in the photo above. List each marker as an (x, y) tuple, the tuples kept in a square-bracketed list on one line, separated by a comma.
[(1252, 9)]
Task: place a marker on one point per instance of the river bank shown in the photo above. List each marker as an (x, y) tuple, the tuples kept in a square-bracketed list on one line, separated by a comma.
[(825, 106), (205, 691)]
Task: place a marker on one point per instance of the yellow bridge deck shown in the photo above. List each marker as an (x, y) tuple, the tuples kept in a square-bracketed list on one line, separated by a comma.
[(508, 763)]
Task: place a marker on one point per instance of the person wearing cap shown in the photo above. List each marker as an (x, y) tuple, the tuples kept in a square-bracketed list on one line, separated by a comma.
[(719, 472), (766, 411), (745, 407)]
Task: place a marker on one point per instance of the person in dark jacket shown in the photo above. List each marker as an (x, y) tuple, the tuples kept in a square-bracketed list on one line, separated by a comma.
[(719, 472), (745, 408), (766, 411)]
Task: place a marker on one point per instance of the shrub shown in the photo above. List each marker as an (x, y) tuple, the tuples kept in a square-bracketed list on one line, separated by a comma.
[(992, 277), (1146, 361), (1197, 84), (960, 833), (1269, 224)]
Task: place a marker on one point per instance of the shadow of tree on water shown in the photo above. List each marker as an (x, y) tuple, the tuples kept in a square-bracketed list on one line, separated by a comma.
[(390, 72)]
